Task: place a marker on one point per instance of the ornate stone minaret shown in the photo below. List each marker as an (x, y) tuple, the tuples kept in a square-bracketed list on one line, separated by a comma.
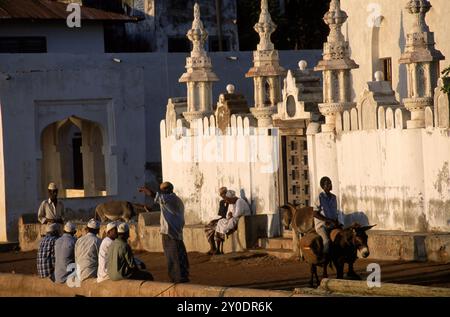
[(336, 67), (422, 63), (199, 76), (266, 71)]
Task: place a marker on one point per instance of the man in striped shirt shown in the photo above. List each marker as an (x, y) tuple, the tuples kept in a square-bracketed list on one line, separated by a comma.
[(46, 252)]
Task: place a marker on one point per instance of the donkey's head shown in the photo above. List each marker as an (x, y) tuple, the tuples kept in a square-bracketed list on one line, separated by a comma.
[(359, 238)]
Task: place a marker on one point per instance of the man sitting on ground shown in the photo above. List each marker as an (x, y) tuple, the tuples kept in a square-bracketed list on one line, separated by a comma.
[(121, 263), (46, 252), (111, 235), (65, 252), (86, 252)]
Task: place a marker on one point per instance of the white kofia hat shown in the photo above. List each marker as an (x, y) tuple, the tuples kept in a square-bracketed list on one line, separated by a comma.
[(70, 227), (230, 194), (111, 225), (93, 224), (123, 227), (51, 227), (52, 186)]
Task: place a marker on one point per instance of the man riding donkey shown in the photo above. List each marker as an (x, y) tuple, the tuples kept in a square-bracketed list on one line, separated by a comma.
[(330, 243)]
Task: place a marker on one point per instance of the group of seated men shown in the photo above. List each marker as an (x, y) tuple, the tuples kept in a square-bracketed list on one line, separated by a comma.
[(90, 257)]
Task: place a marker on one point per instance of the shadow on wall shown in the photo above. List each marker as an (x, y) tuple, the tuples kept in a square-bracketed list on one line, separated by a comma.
[(358, 216), (402, 75)]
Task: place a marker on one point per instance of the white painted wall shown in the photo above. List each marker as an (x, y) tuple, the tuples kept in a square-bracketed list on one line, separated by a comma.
[(392, 37), (199, 163), (398, 178), (61, 39)]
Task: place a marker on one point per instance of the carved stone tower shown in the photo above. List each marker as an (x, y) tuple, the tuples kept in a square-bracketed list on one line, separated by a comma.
[(336, 67), (199, 76), (266, 71), (422, 63)]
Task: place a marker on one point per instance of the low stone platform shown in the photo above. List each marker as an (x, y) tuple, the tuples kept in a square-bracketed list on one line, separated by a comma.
[(8, 246), (145, 234)]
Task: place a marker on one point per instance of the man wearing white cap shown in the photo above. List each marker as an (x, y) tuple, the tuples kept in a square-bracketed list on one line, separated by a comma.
[(86, 252), (237, 207), (111, 235), (121, 262), (65, 252), (46, 252), (51, 210)]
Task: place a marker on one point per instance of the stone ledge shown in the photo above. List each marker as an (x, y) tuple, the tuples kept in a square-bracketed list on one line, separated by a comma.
[(28, 285)]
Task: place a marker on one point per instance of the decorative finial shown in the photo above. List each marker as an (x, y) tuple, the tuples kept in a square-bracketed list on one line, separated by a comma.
[(379, 76), (197, 34), (230, 88), (419, 8), (334, 18), (265, 27), (302, 65)]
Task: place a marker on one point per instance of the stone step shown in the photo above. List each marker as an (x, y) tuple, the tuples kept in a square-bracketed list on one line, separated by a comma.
[(276, 243), (278, 253), (8, 246), (287, 234)]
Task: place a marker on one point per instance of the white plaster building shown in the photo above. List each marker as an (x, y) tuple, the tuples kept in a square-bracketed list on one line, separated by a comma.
[(380, 28)]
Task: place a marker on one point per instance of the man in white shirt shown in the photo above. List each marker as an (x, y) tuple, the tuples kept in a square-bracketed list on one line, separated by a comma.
[(51, 210), (237, 208), (111, 235), (86, 252)]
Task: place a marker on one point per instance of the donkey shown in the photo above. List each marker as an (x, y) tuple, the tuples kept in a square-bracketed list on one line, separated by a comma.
[(344, 247)]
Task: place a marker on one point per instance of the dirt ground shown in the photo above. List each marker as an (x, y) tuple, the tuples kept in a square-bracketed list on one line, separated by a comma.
[(257, 271)]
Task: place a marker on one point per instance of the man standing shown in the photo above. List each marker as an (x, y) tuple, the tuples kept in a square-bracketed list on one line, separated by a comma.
[(326, 215), (121, 262), (51, 210), (172, 223), (86, 252), (210, 228), (111, 235), (46, 252), (65, 252)]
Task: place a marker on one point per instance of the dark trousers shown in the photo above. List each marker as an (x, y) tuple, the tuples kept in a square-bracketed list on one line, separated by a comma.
[(177, 259)]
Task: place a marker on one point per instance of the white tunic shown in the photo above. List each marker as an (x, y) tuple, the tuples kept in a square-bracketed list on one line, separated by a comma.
[(102, 271), (86, 255), (240, 208)]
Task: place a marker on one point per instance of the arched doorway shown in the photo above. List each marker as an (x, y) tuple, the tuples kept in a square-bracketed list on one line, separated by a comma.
[(72, 157)]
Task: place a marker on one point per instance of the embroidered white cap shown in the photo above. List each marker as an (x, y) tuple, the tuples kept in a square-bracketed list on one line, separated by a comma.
[(111, 225), (70, 227), (93, 224), (230, 194), (52, 186), (123, 227)]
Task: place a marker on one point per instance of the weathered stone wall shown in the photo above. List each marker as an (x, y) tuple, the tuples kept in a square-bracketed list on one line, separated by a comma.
[(395, 178)]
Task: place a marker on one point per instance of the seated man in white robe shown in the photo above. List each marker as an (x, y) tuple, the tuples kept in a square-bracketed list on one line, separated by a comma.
[(237, 207)]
